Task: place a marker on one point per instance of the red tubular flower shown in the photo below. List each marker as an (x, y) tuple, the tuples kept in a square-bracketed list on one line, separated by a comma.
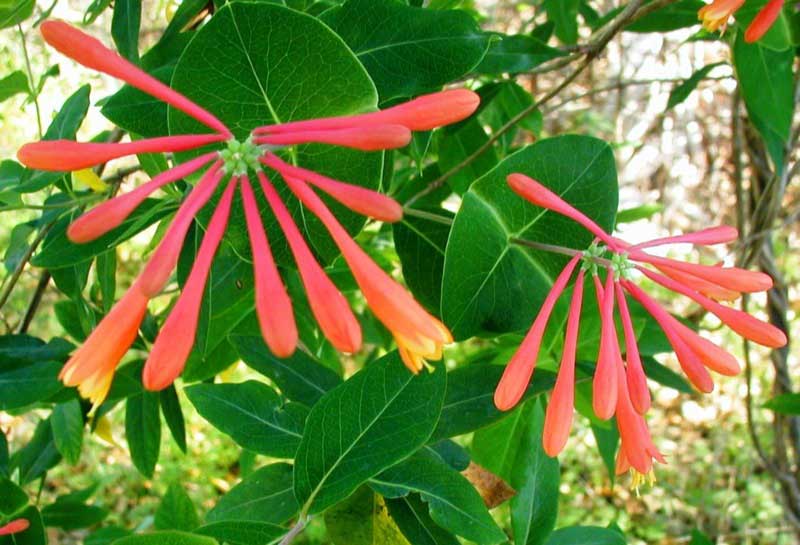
[(519, 370), (91, 53), (763, 21), (92, 366), (716, 14), (705, 237), (420, 114), (329, 306), (273, 306), (558, 418), (418, 334), (637, 382), (371, 138), (61, 155), (176, 338), (359, 199), (110, 214), (604, 385), (15, 527)]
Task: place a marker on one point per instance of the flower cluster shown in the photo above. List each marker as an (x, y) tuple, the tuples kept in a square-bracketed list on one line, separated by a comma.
[(716, 14), (419, 335), (619, 385)]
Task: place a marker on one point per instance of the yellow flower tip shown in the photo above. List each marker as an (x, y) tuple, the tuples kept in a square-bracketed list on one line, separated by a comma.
[(640, 479), (88, 179), (103, 430)]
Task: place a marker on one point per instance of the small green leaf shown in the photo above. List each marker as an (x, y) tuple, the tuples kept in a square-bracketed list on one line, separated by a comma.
[(72, 515), (469, 402), (176, 512), (266, 495), (662, 374), (453, 502), (564, 15), (68, 429), (143, 430), (300, 377), (370, 422), (34, 535), (411, 515), (169, 537), (16, 12), (419, 49), (106, 269), (699, 538), (535, 476), (680, 14), (585, 535), (13, 84), (682, 90), (38, 456), (23, 385), (515, 54), (641, 212), (239, 532), (362, 519), (173, 415), (456, 143), (12, 499), (784, 404), (495, 447), (125, 27)]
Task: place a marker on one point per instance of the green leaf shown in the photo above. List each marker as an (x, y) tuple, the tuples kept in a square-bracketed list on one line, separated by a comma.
[(4, 455), (491, 284), (453, 502), (535, 476), (300, 377), (501, 102), (784, 404), (34, 535), (370, 422), (253, 414), (67, 420), (13, 84), (765, 80), (253, 54), (266, 495), (456, 143), (680, 14), (420, 244), (72, 515), (138, 112), (682, 90), (411, 515), (585, 535), (12, 499), (662, 374), (106, 535), (362, 519), (564, 15), (641, 212), (699, 538), (176, 512), (16, 12), (38, 456), (125, 27), (23, 385), (779, 35), (169, 537), (469, 402), (515, 54), (58, 251), (607, 440), (143, 430), (19, 350), (495, 447), (417, 51), (239, 532), (106, 271), (173, 415)]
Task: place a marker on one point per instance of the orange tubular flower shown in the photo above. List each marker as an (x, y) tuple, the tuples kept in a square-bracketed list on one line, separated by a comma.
[(716, 14), (620, 387), (15, 527), (763, 21), (91, 368)]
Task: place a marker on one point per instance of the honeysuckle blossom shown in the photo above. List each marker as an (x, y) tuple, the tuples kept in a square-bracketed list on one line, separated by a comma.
[(715, 16), (419, 335), (14, 527), (620, 385)]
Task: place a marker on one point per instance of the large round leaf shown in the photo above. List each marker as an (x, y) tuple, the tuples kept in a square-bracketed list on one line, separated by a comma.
[(259, 64), (491, 284)]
